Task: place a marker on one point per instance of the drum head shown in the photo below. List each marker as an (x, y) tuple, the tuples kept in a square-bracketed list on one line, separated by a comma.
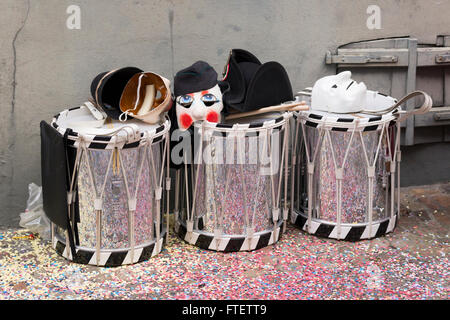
[(81, 121), (107, 134), (260, 118), (375, 101), (275, 119)]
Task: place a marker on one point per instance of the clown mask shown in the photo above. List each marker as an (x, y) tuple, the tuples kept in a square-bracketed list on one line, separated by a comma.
[(202, 105)]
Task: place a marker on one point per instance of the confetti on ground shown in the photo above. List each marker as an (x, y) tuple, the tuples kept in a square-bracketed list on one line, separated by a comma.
[(411, 263)]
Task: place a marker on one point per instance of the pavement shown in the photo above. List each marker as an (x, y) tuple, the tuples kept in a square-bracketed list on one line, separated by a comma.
[(410, 263)]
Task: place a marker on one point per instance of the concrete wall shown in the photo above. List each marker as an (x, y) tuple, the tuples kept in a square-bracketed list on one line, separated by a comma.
[(45, 67)]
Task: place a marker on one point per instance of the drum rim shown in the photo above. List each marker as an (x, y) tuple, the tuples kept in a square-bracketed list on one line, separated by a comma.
[(60, 238), (275, 235), (345, 224), (328, 120), (295, 214), (231, 236), (97, 141), (250, 126), (120, 251)]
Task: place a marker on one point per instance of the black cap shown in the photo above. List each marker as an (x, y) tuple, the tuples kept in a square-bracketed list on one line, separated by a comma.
[(199, 76)]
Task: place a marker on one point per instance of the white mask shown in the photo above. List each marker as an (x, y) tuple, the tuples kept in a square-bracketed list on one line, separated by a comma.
[(338, 94), (201, 105)]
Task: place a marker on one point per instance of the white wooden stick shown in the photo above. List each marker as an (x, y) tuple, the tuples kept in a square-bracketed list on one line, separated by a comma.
[(296, 106)]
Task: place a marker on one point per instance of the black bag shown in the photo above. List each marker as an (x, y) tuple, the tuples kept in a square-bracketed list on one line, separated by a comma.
[(54, 175)]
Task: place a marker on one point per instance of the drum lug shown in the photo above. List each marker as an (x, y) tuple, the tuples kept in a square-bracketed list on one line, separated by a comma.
[(275, 214), (69, 197), (158, 193), (98, 204), (168, 183), (189, 226), (339, 173), (250, 232), (285, 214), (293, 218), (132, 204), (392, 167), (311, 168), (371, 172), (217, 233)]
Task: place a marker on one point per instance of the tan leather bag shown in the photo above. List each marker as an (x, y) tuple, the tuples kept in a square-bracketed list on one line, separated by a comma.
[(148, 91)]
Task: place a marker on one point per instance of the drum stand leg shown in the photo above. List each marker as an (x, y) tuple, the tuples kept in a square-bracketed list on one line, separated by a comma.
[(371, 178), (52, 233), (310, 191), (68, 250), (339, 178), (195, 173), (98, 201), (189, 218), (371, 175), (311, 172), (399, 159), (286, 174), (131, 234), (158, 193), (168, 181), (98, 236), (168, 186), (293, 168), (177, 193)]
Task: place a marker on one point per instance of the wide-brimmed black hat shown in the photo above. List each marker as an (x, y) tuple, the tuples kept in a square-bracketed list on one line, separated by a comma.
[(107, 88), (253, 85)]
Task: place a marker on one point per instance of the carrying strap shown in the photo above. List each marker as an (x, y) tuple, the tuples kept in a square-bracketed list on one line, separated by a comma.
[(426, 106)]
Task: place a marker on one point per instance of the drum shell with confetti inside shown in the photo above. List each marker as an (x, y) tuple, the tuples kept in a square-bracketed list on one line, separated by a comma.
[(352, 162), (115, 207), (236, 187)]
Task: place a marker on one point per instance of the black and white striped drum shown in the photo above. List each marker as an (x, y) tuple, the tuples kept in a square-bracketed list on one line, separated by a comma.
[(117, 174), (343, 172), (233, 196), (345, 168)]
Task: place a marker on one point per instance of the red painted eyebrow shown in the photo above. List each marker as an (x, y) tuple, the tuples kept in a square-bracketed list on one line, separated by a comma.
[(190, 94), (205, 92)]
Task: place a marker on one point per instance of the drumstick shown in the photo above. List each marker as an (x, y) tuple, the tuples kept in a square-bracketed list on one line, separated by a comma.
[(148, 100), (297, 106)]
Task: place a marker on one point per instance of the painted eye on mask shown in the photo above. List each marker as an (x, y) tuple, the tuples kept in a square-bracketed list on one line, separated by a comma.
[(185, 100), (209, 99)]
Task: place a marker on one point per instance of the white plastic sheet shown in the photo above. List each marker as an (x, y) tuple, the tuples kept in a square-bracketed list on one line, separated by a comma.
[(34, 218)]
